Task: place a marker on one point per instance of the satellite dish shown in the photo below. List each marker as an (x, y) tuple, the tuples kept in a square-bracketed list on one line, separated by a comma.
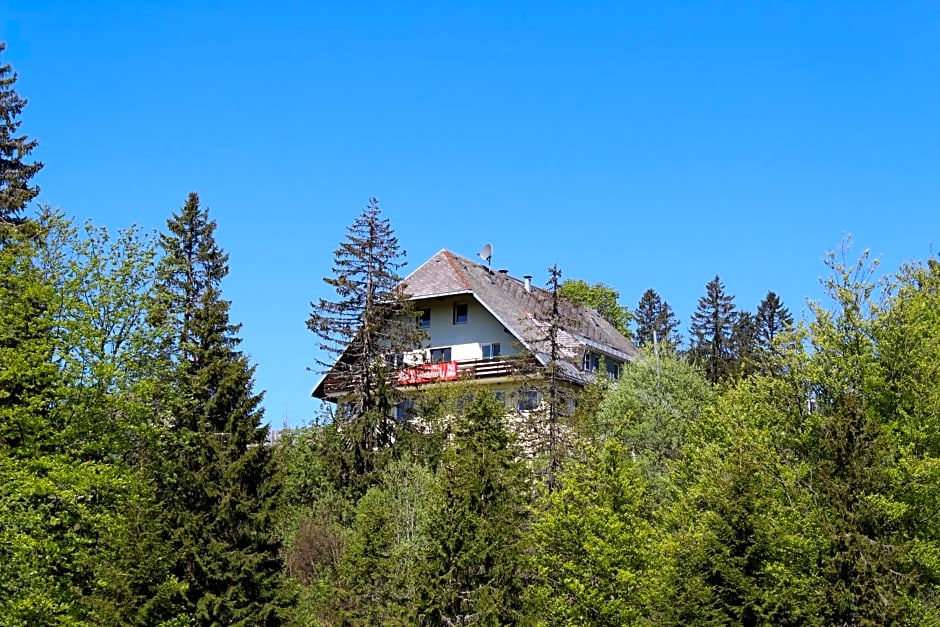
[(486, 253)]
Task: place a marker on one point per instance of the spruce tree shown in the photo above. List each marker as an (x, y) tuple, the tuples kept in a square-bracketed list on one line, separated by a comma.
[(744, 345), (711, 329), (655, 320), (219, 484), (772, 319), (474, 560), (15, 169), (557, 397), (370, 321)]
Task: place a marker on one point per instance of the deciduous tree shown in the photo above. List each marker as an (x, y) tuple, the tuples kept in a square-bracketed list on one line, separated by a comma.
[(601, 298)]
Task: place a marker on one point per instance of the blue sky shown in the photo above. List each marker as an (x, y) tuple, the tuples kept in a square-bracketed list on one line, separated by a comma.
[(642, 144)]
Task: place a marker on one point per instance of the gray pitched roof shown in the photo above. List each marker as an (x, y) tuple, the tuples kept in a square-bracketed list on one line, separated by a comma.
[(522, 311)]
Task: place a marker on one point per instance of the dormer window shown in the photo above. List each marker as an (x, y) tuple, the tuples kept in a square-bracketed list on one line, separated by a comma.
[(461, 313), (424, 318), (591, 363), (613, 369)]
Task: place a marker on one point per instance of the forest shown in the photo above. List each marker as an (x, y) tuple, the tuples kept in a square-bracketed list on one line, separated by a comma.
[(761, 471)]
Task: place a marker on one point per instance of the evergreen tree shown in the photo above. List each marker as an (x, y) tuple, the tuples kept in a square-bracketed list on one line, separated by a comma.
[(15, 170), (219, 483), (854, 455), (771, 320), (655, 319), (744, 345), (371, 321), (711, 329), (550, 432), (473, 566)]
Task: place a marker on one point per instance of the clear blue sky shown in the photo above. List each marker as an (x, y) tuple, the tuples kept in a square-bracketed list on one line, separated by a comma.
[(642, 144)]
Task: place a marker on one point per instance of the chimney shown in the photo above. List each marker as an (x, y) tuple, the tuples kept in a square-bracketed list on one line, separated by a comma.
[(528, 282)]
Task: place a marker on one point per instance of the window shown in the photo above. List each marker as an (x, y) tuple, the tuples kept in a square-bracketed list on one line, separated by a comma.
[(439, 355), (424, 318), (345, 411), (613, 369), (460, 313), (592, 362), (404, 410), (528, 401), (491, 350)]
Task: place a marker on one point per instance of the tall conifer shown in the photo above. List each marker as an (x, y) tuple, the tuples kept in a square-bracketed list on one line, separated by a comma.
[(711, 330), (220, 486), (370, 321), (772, 319), (15, 169), (655, 319)]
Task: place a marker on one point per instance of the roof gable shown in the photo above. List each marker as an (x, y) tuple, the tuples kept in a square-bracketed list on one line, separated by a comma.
[(521, 309)]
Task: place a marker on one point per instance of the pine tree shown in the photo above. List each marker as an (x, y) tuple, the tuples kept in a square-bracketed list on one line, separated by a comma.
[(556, 397), (370, 322), (655, 320), (772, 319), (711, 329), (220, 486), (474, 563), (744, 345), (15, 173)]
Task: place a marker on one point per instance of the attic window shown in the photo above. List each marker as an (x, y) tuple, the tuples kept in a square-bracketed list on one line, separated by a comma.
[(424, 318), (460, 313), (491, 350), (591, 363)]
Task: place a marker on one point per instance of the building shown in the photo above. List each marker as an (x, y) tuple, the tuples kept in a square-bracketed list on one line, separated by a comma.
[(490, 328)]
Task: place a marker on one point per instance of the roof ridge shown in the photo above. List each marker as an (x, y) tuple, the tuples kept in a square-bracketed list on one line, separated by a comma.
[(453, 264)]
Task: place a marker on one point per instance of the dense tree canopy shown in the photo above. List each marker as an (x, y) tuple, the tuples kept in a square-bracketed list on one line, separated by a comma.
[(138, 485)]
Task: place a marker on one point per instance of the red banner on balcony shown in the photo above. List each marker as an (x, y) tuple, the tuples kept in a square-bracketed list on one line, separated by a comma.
[(446, 371)]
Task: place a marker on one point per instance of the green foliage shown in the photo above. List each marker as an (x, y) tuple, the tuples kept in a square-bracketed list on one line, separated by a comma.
[(772, 320), (745, 348), (473, 568), (742, 549), (602, 299), (593, 545), (371, 319), (218, 479), (651, 411), (711, 332), (655, 320), (15, 170)]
